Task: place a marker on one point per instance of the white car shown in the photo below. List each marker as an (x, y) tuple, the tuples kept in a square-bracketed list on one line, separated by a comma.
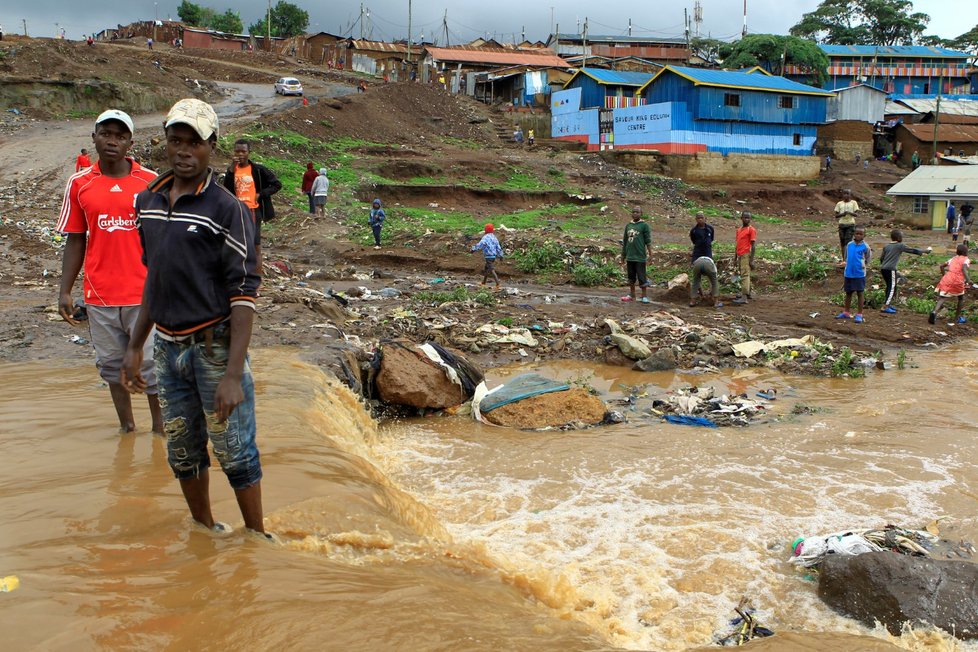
[(288, 86)]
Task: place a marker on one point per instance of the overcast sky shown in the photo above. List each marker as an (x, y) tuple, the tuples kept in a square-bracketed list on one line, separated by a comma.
[(468, 19)]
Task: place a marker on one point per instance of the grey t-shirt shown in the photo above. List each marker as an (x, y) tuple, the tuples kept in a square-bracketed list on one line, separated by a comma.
[(892, 252)]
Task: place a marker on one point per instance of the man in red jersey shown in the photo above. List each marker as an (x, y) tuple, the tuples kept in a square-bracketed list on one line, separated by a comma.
[(83, 161), (98, 216)]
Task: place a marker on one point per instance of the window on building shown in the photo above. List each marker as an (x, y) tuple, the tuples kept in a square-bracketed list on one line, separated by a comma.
[(796, 140), (786, 102), (920, 205), (731, 99), (926, 88)]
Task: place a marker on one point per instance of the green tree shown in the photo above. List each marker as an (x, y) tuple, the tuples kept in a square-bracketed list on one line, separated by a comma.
[(287, 20), (773, 52), (863, 22), (707, 49), (967, 41), (190, 13), (229, 21)]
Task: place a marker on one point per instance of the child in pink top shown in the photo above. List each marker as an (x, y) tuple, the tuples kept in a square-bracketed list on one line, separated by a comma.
[(953, 283)]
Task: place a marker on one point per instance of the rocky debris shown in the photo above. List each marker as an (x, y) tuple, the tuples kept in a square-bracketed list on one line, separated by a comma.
[(574, 406), (632, 347), (662, 360), (894, 589), (409, 377)]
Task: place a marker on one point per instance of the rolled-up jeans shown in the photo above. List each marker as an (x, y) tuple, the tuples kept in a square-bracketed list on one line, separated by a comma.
[(703, 266), (188, 374)]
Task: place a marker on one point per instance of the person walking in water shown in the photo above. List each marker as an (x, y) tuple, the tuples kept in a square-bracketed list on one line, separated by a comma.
[(636, 249), (376, 221), (97, 214), (491, 250), (320, 191), (201, 285)]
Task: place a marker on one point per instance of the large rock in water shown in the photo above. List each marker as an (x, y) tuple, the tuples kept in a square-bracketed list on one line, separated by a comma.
[(893, 588), (406, 379), (549, 411)]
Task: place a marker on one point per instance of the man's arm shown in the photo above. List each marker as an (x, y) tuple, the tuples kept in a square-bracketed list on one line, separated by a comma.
[(131, 377), (229, 393), (229, 179), (753, 248), (272, 185), (648, 241), (71, 265)]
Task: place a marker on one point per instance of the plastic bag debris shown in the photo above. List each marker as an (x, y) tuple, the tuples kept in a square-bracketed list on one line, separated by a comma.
[(9, 583)]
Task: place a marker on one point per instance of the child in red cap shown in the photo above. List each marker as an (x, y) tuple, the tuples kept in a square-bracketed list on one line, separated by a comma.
[(491, 249)]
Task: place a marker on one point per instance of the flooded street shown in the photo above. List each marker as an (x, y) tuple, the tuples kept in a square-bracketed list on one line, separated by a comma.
[(441, 534)]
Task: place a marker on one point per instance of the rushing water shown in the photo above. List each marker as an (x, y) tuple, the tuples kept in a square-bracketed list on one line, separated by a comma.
[(441, 534)]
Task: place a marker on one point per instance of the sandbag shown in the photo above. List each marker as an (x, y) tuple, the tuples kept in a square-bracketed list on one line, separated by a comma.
[(520, 387)]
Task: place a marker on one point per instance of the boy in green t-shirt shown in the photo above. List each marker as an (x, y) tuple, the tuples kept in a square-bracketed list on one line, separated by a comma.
[(636, 247)]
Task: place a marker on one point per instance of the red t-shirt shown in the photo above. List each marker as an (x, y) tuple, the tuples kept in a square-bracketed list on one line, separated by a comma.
[(102, 207), (82, 162), (746, 235)]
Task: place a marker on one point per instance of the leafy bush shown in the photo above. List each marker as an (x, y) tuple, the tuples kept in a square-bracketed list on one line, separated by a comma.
[(808, 268), (920, 305), (590, 273), (539, 258), (845, 365)]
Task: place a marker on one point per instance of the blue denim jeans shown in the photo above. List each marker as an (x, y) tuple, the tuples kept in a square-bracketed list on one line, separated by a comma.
[(187, 376)]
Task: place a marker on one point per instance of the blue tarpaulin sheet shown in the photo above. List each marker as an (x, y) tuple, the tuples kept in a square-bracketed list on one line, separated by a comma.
[(519, 388)]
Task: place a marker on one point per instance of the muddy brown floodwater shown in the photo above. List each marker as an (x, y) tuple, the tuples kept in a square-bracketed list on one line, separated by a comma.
[(440, 534)]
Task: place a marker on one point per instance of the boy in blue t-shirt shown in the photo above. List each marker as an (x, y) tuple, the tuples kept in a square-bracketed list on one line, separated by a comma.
[(858, 256)]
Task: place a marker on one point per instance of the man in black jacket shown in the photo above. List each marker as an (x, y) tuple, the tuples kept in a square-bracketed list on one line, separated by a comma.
[(254, 184)]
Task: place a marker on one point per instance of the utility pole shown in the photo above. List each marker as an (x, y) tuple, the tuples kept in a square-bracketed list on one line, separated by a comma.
[(629, 28), (156, 10), (444, 22), (744, 33), (697, 18), (361, 21), (552, 20), (24, 20), (523, 34), (409, 33), (937, 121), (686, 27), (584, 43), (268, 27)]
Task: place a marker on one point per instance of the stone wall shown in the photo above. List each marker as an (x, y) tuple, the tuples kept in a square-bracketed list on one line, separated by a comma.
[(903, 214), (712, 166), (844, 139)]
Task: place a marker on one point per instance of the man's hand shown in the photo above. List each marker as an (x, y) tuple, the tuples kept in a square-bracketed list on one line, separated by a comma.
[(66, 308), (227, 397), (131, 378)]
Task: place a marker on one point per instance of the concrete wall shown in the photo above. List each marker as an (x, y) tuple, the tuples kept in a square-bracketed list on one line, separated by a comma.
[(903, 214), (711, 166)]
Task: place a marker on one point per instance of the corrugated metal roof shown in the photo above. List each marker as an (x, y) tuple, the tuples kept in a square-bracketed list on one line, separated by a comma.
[(895, 108), (380, 46), (854, 86), (922, 51), (950, 107), (614, 77), (498, 57), (672, 40), (934, 180), (946, 133), (742, 80)]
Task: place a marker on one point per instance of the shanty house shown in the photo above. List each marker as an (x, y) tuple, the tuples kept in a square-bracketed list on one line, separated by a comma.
[(732, 112), (456, 65), (377, 58), (897, 69), (662, 50), (608, 89), (921, 197), (952, 139), (322, 48)]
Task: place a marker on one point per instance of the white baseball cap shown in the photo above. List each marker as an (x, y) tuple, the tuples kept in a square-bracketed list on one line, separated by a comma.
[(196, 114), (116, 114)]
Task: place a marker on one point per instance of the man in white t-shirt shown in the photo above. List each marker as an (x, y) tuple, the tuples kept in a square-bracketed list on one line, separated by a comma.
[(845, 212)]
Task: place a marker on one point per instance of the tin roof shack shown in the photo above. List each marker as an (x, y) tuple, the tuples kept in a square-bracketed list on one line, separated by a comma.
[(517, 85), (456, 62), (662, 50), (624, 64), (921, 197), (916, 109), (903, 69), (194, 37), (321, 48), (379, 58), (735, 112), (851, 115), (951, 139), (608, 89)]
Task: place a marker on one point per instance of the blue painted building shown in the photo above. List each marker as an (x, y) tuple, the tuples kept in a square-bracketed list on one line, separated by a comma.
[(896, 69), (733, 112), (607, 89)]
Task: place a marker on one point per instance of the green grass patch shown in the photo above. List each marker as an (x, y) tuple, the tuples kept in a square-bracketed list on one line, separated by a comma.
[(540, 258), (426, 181), (921, 305), (845, 365), (809, 268), (290, 174), (591, 272), (461, 143), (461, 294), (768, 219), (518, 180)]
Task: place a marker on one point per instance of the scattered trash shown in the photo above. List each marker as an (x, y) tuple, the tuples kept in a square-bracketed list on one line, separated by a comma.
[(702, 402), (769, 394), (746, 626), (436, 280), (678, 281), (9, 583), (389, 293), (809, 552), (686, 420), (632, 347), (75, 339), (752, 347)]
